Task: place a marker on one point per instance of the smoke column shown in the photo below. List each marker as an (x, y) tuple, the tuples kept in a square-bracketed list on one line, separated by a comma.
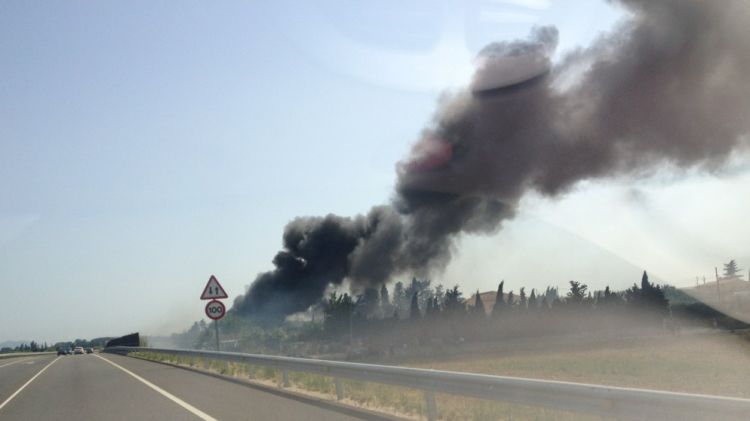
[(669, 87)]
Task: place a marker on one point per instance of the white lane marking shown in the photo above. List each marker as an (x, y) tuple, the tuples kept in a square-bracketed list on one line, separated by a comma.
[(27, 383), (14, 362), (195, 411)]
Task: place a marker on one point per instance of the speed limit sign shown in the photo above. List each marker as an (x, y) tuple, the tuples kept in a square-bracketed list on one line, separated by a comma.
[(215, 309)]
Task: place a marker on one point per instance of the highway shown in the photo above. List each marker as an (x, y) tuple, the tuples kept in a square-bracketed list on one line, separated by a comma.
[(112, 387)]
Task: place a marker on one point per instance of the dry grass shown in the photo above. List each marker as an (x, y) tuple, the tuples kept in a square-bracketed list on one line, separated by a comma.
[(717, 364), (709, 363)]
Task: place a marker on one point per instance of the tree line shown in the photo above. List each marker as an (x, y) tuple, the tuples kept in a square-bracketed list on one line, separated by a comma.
[(419, 300), (32, 346), (419, 311)]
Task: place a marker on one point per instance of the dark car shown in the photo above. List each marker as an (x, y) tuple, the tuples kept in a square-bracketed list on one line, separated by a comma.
[(89, 350), (63, 351)]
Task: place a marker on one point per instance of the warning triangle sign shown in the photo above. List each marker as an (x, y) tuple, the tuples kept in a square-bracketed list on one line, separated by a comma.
[(213, 290)]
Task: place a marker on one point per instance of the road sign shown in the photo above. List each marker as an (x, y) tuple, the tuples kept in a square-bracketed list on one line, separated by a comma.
[(215, 309), (213, 290)]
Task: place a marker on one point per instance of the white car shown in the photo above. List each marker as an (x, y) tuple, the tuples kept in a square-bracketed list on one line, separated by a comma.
[(78, 350)]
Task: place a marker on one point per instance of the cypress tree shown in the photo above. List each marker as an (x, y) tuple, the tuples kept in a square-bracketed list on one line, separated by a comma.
[(532, 300), (414, 312), (433, 307), (499, 303), (510, 300), (479, 306)]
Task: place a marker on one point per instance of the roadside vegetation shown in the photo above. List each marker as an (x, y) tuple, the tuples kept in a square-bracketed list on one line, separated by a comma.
[(705, 362), (399, 401)]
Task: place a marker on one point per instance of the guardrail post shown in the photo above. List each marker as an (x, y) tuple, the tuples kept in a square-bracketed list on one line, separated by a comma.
[(339, 389), (285, 378), (250, 372), (429, 399)]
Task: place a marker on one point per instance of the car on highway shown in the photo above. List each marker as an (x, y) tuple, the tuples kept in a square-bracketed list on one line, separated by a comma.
[(89, 350), (63, 351), (78, 350)]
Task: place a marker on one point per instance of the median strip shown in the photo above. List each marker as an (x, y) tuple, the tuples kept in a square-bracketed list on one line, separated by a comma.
[(195, 411), (27, 383), (14, 362)]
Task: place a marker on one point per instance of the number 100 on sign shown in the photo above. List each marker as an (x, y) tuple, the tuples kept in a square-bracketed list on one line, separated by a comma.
[(215, 309)]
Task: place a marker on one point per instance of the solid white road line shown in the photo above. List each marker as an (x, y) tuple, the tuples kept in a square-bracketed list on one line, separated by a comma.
[(14, 362), (27, 383), (195, 411)]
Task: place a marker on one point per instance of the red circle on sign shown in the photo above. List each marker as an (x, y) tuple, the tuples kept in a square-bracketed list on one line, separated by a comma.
[(215, 310)]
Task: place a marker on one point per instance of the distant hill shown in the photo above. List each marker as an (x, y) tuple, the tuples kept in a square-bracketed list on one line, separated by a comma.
[(12, 344), (488, 299)]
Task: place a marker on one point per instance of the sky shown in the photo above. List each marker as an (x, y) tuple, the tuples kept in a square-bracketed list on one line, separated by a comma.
[(147, 145)]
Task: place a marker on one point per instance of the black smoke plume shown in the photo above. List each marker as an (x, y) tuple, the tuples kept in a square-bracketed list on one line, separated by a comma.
[(670, 86)]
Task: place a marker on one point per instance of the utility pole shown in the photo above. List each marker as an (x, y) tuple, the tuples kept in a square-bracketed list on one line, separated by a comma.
[(718, 288)]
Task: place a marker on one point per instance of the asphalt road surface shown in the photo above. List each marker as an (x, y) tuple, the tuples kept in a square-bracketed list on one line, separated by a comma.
[(111, 387)]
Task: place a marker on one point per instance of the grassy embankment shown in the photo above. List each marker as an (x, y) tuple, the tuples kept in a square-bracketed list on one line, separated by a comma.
[(709, 363)]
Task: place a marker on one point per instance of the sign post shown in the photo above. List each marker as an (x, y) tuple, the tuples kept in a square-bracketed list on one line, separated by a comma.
[(215, 309)]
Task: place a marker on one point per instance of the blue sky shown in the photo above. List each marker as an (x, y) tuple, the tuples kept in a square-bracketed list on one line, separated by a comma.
[(147, 145)]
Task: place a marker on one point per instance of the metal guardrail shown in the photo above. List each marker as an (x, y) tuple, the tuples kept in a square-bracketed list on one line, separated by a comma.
[(24, 354), (606, 401)]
